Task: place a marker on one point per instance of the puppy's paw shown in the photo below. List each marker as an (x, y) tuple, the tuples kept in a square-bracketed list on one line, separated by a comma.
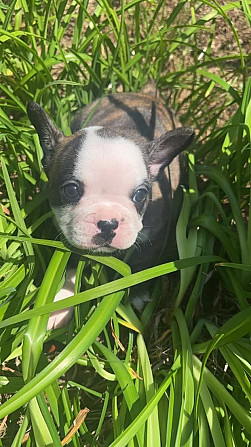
[(61, 317)]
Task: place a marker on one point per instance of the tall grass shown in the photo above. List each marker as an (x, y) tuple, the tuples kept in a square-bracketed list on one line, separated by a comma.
[(179, 373)]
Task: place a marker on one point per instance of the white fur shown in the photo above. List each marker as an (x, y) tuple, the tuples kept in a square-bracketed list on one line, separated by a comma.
[(109, 165), (61, 317)]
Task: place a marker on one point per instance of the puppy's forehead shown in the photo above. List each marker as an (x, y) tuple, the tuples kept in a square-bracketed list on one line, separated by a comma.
[(108, 162)]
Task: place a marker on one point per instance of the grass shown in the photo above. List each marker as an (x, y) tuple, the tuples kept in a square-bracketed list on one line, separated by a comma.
[(186, 382)]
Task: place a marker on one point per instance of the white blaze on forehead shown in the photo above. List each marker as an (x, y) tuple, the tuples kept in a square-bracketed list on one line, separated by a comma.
[(109, 165)]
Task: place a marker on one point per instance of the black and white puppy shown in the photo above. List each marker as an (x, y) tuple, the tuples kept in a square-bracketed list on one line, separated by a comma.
[(112, 183)]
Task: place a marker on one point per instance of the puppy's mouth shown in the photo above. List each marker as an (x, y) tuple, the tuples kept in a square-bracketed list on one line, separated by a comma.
[(102, 242), (99, 250), (104, 250)]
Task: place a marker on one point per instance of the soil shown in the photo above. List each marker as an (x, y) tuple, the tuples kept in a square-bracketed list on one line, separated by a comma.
[(224, 44)]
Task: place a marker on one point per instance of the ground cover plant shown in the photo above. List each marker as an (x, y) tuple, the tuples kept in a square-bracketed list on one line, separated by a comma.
[(179, 373)]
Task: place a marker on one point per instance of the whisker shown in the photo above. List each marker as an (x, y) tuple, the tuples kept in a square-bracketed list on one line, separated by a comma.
[(144, 238), (137, 246)]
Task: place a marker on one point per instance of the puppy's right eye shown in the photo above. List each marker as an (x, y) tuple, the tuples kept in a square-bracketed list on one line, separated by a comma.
[(71, 192)]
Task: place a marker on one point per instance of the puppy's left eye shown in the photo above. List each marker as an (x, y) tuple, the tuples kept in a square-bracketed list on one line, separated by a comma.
[(140, 195), (71, 192)]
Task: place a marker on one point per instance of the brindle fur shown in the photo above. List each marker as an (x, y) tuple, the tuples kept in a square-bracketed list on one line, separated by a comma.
[(142, 117), (145, 115)]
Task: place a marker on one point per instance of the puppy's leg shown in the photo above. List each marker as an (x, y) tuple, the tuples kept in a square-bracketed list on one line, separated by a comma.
[(59, 318)]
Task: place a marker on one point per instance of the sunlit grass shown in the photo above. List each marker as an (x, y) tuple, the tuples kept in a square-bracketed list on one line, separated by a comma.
[(179, 373)]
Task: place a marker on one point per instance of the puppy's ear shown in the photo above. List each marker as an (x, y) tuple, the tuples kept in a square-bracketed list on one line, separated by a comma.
[(164, 149), (48, 134)]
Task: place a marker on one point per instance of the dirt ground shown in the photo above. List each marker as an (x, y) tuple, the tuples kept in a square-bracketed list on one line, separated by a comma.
[(224, 44)]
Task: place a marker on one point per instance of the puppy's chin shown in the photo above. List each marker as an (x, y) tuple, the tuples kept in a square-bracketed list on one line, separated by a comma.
[(106, 250), (93, 250)]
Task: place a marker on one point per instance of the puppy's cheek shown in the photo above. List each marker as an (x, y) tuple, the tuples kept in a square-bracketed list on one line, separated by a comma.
[(76, 231), (126, 235), (82, 233)]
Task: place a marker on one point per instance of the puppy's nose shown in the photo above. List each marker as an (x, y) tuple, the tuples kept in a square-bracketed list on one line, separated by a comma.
[(107, 226)]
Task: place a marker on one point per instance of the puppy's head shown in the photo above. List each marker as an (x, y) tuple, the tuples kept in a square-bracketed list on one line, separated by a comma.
[(100, 180)]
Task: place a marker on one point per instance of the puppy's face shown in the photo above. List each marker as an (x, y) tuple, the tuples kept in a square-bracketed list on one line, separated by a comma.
[(100, 181), (99, 189)]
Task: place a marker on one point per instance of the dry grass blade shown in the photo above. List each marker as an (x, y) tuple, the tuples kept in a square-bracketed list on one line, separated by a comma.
[(76, 424)]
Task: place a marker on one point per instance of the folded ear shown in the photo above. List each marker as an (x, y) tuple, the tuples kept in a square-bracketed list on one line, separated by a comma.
[(164, 149), (48, 134)]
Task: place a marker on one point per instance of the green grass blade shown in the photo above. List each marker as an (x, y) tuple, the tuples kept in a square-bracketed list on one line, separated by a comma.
[(110, 288)]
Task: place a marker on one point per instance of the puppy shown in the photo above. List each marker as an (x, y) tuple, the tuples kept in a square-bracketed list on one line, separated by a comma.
[(113, 183)]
